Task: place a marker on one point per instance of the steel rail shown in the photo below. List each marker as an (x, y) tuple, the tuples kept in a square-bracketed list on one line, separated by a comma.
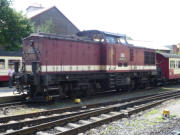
[(97, 123), (13, 103)]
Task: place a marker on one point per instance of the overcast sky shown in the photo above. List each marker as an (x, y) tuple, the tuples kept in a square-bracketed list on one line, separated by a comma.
[(148, 20)]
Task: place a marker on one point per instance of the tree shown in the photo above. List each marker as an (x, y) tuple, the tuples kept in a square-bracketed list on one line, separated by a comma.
[(47, 27), (129, 38), (13, 26)]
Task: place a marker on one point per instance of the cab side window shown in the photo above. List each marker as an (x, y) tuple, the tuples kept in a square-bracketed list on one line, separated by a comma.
[(2, 64), (149, 58)]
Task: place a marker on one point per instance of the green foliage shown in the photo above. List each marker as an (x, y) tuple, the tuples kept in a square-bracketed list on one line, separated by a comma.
[(13, 26), (47, 27)]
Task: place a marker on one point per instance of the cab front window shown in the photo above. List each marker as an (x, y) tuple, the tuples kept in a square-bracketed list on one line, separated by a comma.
[(98, 38), (122, 40), (110, 39)]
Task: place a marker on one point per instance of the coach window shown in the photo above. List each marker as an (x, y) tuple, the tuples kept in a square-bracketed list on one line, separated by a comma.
[(2, 63), (178, 64), (11, 62), (172, 64)]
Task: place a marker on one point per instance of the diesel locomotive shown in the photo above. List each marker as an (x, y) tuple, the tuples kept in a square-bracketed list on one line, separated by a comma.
[(84, 64)]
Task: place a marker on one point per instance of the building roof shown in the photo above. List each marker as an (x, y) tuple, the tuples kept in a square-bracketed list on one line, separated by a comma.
[(10, 53), (170, 55), (37, 12), (149, 44), (42, 10)]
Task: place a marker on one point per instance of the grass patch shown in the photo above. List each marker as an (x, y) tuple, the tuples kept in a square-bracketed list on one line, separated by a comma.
[(25, 111), (152, 112)]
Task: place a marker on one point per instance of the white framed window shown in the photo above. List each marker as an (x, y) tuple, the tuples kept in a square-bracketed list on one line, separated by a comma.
[(172, 64), (2, 63)]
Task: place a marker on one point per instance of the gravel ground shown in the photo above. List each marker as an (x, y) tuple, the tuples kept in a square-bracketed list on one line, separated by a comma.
[(67, 103), (149, 122)]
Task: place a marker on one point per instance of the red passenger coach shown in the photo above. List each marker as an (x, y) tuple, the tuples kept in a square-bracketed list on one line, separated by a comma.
[(169, 65), (7, 59), (91, 61)]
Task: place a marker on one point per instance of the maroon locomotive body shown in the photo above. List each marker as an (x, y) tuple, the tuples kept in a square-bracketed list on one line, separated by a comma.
[(90, 62)]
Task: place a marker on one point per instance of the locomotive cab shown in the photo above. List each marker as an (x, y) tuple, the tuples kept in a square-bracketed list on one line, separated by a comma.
[(104, 37)]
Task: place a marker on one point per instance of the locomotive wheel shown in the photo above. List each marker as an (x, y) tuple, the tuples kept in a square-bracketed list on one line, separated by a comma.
[(74, 93), (61, 92), (119, 89), (90, 91)]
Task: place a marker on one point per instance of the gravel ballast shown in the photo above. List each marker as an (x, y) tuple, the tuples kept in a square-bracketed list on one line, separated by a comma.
[(149, 122)]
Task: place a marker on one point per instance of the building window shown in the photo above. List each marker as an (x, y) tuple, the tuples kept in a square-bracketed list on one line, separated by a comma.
[(2, 63)]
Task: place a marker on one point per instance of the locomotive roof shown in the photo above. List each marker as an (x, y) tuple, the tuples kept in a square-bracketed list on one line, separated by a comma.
[(78, 38), (100, 32), (10, 53), (170, 55), (63, 37)]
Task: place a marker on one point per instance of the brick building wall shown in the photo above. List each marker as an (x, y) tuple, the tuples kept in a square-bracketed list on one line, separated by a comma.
[(61, 23)]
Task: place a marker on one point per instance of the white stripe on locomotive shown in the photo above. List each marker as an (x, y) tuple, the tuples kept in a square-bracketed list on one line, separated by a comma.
[(69, 68)]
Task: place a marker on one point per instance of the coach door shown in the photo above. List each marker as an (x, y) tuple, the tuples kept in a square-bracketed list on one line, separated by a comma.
[(112, 58)]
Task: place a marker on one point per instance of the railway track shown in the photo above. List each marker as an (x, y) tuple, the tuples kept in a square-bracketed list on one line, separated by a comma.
[(12, 99), (13, 104), (73, 120)]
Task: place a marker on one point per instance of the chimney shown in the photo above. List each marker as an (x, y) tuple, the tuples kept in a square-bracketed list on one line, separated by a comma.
[(34, 7), (175, 49)]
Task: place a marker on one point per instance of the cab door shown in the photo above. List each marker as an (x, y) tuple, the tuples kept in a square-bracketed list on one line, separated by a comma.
[(112, 58)]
